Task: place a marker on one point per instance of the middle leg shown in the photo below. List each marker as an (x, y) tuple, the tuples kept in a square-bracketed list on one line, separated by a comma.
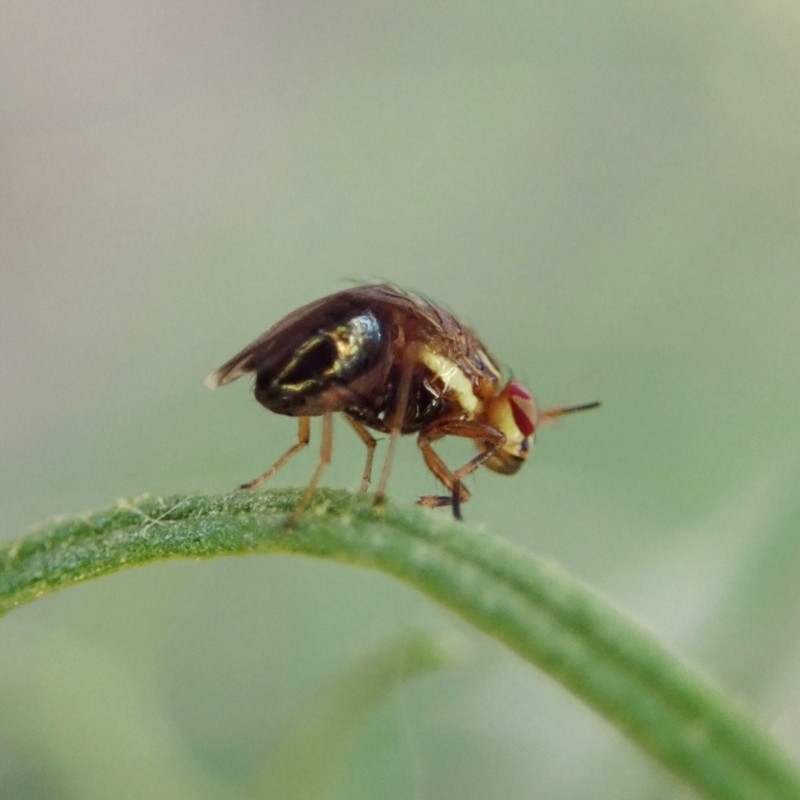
[(398, 416), (324, 460), (370, 441)]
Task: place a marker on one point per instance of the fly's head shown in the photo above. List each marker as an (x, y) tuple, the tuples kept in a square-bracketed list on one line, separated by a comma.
[(514, 413)]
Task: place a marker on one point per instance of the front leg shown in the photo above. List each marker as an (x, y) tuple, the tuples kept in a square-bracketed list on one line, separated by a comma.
[(467, 429)]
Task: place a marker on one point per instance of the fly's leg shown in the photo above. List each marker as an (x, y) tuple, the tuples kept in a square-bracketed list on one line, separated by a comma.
[(324, 460), (370, 442), (398, 415), (477, 431), (459, 494), (303, 438)]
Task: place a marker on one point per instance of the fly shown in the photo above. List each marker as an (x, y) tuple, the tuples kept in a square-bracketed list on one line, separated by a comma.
[(393, 362)]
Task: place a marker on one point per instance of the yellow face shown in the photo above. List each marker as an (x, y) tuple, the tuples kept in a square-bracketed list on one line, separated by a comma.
[(514, 413)]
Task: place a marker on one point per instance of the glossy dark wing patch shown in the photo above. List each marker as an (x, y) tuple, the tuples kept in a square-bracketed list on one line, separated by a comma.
[(334, 355), (288, 334), (284, 335), (317, 357)]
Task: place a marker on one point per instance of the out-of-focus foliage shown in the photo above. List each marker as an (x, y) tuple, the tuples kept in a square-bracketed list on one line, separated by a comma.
[(607, 192)]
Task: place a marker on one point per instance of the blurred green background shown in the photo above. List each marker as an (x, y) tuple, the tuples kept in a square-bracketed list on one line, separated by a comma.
[(608, 192)]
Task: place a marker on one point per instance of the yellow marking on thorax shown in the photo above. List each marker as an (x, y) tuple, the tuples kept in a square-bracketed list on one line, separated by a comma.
[(453, 378)]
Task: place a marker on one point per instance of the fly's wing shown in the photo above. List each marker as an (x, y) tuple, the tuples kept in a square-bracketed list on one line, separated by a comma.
[(421, 319), (286, 336)]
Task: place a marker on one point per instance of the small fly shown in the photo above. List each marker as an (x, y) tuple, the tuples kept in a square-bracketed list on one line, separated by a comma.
[(393, 362)]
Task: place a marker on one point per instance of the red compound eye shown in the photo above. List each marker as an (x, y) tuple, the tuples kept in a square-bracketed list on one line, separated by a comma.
[(522, 407)]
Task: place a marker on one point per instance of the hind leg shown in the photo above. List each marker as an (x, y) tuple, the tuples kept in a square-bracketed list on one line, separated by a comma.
[(303, 438)]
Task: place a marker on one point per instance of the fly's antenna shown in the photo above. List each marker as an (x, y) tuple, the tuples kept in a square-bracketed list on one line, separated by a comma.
[(549, 414)]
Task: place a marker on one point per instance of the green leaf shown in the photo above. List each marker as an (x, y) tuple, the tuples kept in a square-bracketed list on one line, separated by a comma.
[(530, 605)]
